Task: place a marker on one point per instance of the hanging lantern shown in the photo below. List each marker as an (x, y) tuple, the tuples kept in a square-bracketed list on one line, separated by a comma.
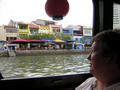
[(57, 9)]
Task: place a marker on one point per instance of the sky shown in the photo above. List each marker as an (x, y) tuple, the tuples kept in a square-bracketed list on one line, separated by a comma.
[(80, 12)]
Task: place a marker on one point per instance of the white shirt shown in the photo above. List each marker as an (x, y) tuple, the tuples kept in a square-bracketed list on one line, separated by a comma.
[(90, 83)]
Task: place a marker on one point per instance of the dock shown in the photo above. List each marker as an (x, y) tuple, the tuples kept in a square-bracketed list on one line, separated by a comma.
[(11, 53)]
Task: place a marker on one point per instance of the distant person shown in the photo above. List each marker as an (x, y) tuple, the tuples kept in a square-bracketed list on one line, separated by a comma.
[(57, 46), (104, 62)]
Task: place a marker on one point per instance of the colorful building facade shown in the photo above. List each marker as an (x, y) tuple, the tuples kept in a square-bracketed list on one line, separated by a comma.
[(2, 34), (23, 29), (8, 33), (33, 29), (87, 35), (44, 29)]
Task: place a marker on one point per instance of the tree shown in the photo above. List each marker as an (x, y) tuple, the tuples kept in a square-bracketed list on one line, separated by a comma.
[(66, 36), (49, 36)]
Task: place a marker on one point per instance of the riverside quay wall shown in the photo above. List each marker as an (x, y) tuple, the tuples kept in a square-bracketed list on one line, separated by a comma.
[(43, 52)]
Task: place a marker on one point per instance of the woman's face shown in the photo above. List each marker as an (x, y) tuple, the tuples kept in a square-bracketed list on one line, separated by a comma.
[(96, 59)]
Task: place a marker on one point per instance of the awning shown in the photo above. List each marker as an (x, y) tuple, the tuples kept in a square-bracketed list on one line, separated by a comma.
[(19, 41), (59, 41), (26, 41), (10, 45), (69, 41), (35, 41), (47, 40)]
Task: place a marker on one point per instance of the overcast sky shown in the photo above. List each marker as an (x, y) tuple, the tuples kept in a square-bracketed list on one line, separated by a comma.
[(80, 12)]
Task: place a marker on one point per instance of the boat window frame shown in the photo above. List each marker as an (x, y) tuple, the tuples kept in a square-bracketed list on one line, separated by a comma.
[(103, 15)]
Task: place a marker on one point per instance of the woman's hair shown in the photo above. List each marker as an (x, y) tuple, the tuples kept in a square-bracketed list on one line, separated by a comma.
[(110, 44)]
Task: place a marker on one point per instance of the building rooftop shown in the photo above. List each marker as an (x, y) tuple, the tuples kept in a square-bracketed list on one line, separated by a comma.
[(33, 26), (8, 26)]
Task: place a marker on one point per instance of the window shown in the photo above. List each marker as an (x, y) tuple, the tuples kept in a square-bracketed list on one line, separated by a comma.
[(36, 65), (116, 16), (11, 30), (23, 27)]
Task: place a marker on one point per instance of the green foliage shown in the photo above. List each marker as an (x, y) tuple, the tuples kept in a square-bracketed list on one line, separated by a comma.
[(24, 37), (58, 35), (49, 36), (63, 36), (42, 36), (66, 36)]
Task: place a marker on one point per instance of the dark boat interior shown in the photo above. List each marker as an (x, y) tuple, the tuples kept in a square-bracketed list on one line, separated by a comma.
[(65, 82), (102, 20)]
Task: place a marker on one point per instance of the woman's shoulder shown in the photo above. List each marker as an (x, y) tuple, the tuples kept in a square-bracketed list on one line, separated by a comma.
[(87, 84), (115, 86)]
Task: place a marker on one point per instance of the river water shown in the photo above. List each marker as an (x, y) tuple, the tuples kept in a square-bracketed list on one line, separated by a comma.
[(37, 66)]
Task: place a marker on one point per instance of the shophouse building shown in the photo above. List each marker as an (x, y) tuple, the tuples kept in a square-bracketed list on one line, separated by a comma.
[(56, 28), (80, 34), (23, 29), (44, 29), (33, 29), (87, 35), (10, 33), (76, 31), (45, 26), (2, 34), (77, 34)]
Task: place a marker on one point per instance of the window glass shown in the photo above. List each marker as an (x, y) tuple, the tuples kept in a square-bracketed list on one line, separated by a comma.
[(116, 16), (42, 46)]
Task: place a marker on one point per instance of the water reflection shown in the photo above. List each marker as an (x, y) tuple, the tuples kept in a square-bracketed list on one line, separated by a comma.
[(36, 66)]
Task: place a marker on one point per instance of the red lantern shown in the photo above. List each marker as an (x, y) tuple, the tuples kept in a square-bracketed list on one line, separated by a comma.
[(57, 9)]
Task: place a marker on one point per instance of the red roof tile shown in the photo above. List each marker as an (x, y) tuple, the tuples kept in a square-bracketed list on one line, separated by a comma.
[(8, 26), (21, 23), (33, 26)]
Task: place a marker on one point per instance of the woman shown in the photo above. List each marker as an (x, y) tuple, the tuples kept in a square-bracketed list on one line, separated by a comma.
[(104, 62)]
